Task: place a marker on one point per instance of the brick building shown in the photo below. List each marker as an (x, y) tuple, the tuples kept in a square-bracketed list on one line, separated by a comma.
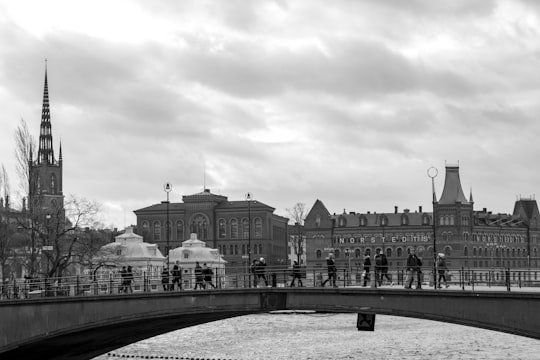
[(232, 227), (469, 238)]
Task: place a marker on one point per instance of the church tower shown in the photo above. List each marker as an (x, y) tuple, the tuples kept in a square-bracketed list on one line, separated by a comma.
[(45, 188)]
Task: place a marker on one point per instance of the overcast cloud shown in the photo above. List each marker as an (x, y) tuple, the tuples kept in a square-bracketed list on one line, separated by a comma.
[(349, 102)]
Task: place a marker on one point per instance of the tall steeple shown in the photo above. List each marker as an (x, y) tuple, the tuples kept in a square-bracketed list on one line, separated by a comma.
[(45, 173), (45, 151)]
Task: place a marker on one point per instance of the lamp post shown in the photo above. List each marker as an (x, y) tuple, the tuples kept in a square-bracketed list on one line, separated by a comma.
[(298, 242), (348, 255), (249, 197), (432, 172), (384, 221), (167, 188)]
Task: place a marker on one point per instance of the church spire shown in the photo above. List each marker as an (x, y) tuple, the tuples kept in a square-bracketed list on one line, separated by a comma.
[(45, 151)]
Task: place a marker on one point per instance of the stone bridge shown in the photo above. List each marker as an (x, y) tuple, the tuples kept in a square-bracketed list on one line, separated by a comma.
[(85, 327)]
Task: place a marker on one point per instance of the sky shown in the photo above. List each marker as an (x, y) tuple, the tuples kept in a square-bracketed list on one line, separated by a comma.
[(349, 102)]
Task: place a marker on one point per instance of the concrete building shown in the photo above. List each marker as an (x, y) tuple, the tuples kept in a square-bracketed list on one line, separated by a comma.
[(470, 238), (129, 249), (191, 252), (241, 230)]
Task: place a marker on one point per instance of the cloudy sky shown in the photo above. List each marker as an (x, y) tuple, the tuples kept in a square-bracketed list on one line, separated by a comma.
[(349, 102)]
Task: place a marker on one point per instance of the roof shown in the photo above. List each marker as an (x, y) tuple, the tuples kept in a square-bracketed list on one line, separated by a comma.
[(452, 191), (374, 219)]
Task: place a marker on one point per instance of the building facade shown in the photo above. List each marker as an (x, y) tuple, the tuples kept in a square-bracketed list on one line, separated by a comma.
[(469, 238), (232, 227)]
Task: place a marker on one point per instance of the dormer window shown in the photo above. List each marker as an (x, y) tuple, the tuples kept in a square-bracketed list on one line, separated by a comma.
[(404, 220), (342, 222), (363, 221)]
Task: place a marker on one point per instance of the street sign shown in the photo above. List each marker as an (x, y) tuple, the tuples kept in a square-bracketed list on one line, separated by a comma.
[(47, 248)]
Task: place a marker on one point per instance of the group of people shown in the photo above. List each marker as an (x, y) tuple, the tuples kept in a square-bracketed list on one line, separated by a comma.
[(413, 270), (176, 274), (126, 278), (203, 276)]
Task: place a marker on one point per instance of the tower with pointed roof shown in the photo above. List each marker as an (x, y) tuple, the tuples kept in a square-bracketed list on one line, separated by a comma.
[(453, 213), (45, 188)]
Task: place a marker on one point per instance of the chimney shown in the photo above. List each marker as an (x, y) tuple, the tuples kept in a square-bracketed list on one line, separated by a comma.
[(420, 209), (395, 209)]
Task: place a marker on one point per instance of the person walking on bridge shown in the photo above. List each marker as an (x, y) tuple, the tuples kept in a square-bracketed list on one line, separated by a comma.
[(297, 274), (165, 278), (176, 276), (441, 270), (260, 270), (412, 269), (208, 276), (199, 276), (332, 270)]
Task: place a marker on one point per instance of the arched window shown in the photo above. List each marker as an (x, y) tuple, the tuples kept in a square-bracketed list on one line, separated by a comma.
[(447, 250), (168, 230), (222, 230), (224, 249), (342, 222), (53, 184), (318, 254), (157, 231), (474, 251), (388, 252), (245, 228), (235, 249), (258, 228), (357, 253), (336, 253), (145, 230), (399, 252), (234, 229), (243, 249), (466, 236), (199, 226), (180, 230)]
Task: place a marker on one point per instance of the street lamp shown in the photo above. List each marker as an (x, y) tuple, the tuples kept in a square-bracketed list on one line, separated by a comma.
[(348, 255), (298, 242), (167, 188), (432, 172), (249, 197), (384, 222)]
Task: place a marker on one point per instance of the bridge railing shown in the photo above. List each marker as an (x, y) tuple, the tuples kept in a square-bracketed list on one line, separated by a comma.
[(83, 285)]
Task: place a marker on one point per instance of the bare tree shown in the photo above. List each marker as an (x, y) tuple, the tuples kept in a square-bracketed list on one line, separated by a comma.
[(25, 144), (4, 184), (297, 213)]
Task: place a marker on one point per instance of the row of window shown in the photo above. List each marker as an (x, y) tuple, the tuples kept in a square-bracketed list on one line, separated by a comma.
[(383, 220), (240, 250), (232, 228), (199, 226)]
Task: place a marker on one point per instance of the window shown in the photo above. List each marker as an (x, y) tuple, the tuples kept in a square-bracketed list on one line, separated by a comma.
[(318, 220), (404, 220), (260, 249), (258, 228), (245, 228), (168, 230), (199, 226), (243, 249), (157, 231), (342, 222), (465, 251), (318, 254), (235, 249), (425, 220), (357, 253), (474, 252), (336, 253), (388, 252), (221, 229), (399, 252), (234, 229), (145, 229), (53, 184), (180, 231), (447, 250), (363, 221)]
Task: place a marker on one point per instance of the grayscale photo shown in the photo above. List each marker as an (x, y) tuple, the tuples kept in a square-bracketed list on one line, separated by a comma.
[(267, 180)]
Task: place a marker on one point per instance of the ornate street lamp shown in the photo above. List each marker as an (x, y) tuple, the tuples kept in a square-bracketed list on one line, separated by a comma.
[(432, 172)]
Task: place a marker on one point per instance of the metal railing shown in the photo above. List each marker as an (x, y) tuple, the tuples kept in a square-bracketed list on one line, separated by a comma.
[(233, 278)]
